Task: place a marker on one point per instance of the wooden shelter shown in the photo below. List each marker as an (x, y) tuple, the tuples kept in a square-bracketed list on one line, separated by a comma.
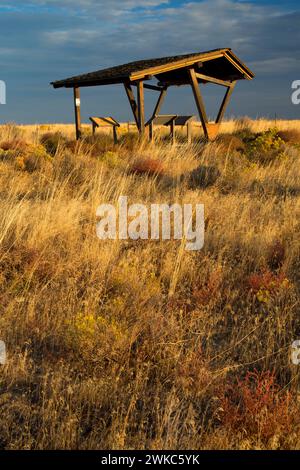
[(220, 66)]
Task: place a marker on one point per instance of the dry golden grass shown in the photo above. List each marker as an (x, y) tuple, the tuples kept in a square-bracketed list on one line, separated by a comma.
[(133, 345), (228, 126)]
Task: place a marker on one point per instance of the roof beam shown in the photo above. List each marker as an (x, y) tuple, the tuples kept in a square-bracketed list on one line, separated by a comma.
[(217, 81), (174, 65), (150, 87), (251, 75), (240, 69), (173, 83), (87, 83)]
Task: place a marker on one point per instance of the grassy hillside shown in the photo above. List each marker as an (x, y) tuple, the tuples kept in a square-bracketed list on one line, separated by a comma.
[(141, 344)]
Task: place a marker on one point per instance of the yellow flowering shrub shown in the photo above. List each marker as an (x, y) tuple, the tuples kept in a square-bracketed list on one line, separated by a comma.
[(87, 329), (265, 286), (263, 296), (265, 147), (25, 156), (111, 159)]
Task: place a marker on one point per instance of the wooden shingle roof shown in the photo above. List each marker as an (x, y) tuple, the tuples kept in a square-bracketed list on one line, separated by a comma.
[(222, 64)]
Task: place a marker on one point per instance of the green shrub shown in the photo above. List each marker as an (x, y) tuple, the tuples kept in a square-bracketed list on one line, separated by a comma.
[(96, 145), (231, 142), (51, 141), (265, 147), (33, 158), (203, 177), (24, 156), (290, 136), (243, 128), (111, 159)]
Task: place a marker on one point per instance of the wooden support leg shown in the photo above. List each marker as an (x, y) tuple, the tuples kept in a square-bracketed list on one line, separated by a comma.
[(115, 134), (189, 132), (77, 112), (213, 130), (94, 128), (199, 101), (141, 107), (151, 131), (132, 102), (225, 102), (172, 126)]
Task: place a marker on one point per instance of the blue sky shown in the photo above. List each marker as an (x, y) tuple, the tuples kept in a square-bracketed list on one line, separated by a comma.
[(46, 40)]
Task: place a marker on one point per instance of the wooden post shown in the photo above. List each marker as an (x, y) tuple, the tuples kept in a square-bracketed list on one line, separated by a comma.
[(77, 112), (189, 132), (225, 102), (151, 131), (172, 126), (115, 134), (141, 107), (199, 101), (132, 102)]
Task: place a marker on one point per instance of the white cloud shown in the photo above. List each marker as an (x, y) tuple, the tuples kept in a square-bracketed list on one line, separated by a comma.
[(192, 26), (278, 65), (74, 36)]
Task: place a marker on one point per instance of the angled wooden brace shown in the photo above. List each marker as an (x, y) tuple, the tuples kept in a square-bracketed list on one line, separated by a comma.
[(210, 130), (141, 107), (199, 101), (225, 102), (156, 111), (132, 102)]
